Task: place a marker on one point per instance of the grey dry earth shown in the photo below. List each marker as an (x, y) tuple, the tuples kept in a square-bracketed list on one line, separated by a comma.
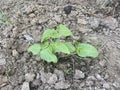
[(93, 21)]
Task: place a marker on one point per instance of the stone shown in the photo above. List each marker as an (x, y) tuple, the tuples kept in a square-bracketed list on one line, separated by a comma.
[(3, 79), (14, 53), (82, 21), (102, 62), (60, 75), (48, 78), (106, 76), (2, 61), (94, 22), (67, 9), (79, 74), (29, 9), (34, 21), (20, 79), (96, 88), (116, 84), (82, 84), (89, 83), (25, 86), (52, 24), (102, 3), (37, 76), (17, 88), (58, 18), (8, 87), (84, 30), (36, 82), (28, 37), (61, 85), (53, 79), (43, 19), (45, 76), (91, 78), (29, 77), (106, 85), (110, 22), (99, 77), (76, 1), (32, 15)]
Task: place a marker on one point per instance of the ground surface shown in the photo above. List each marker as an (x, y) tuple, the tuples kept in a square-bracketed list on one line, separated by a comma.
[(94, 21)]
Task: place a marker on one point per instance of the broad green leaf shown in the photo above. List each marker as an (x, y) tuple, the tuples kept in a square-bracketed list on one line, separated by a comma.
[(63, 31), (47, 55), (35, 48), (49, 33), (70, 46), (44, 45), (60, 47), (86, 50)]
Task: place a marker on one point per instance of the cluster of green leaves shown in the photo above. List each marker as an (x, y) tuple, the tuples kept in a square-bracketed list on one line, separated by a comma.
[(3, 18), (51, 44)]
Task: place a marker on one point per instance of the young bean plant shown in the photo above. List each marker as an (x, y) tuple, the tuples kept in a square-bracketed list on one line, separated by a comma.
[(53, 42)]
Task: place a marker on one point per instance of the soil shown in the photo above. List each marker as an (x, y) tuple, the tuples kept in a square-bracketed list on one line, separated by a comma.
[(93, 21)]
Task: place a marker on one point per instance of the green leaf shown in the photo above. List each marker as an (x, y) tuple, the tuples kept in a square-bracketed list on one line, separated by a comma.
[(35, 48), (47, 55), (60, 47), (70, 46), (44, 45), (63, 31), (49, 33), (86, 50)]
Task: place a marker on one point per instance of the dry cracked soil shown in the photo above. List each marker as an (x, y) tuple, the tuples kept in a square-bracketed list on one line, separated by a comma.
[(92, 21)]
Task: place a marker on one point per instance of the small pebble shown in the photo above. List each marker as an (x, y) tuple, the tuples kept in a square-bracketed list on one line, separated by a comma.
[(29, 77), (2, 61), (61, 85), (106, 85), (89, 83), (53, 79), (60, 74), (116, 84), (99, 77), (67, 9), (14, 53), (25, 86), (79, 74), (82, 21), (28, 38), (91, 78)]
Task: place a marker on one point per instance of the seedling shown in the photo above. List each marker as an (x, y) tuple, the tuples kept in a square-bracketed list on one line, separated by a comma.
[(3, 18), (52, 43)]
